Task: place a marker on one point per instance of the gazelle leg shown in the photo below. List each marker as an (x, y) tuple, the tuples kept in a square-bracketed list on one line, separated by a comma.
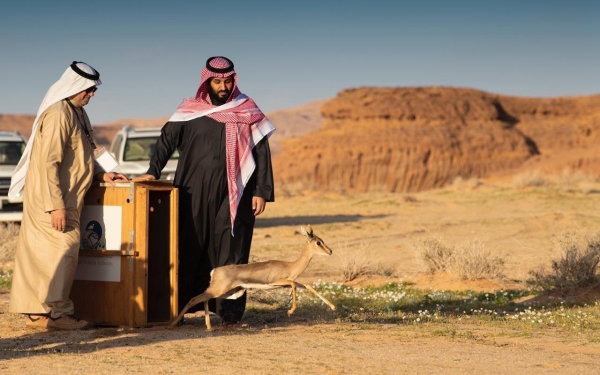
[(291, 311), (207, 316), (331, 305), (193, 302), (291, 284)]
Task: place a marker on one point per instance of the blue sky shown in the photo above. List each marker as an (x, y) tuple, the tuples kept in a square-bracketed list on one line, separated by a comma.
[(150, 54)]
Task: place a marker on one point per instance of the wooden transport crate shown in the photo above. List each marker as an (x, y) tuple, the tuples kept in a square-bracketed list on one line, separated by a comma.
[(134, 282)]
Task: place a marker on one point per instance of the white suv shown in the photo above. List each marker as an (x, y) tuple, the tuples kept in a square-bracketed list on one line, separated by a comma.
[(12, 146), (133, 149)]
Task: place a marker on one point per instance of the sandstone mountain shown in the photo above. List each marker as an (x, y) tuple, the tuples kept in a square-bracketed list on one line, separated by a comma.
[(412, 139)]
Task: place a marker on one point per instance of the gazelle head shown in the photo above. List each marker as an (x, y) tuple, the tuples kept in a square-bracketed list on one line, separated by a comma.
[(316, 244)]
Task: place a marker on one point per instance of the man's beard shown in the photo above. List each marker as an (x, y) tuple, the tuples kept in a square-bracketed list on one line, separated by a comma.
[(216, 100)]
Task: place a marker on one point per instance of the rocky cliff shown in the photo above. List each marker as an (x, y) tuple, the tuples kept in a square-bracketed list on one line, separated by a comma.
[(412, 139)]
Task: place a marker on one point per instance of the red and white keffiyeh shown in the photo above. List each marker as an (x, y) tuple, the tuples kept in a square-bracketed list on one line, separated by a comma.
[(245, 126)]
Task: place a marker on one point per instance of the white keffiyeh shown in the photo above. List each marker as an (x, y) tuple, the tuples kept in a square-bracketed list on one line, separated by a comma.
[(68, 85)]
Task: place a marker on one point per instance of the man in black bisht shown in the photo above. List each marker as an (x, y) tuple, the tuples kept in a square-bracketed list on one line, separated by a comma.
[(224, 176)]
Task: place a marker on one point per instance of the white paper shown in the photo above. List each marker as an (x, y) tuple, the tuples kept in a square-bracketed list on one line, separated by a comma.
[(105, 159), (99, 268)]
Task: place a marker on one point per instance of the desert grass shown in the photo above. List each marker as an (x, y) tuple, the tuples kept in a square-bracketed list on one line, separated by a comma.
[(358, 260), (529, 179), (576, 269), (384, 269), (434, 253), (460, 183), (468, 261), (576, 180), (297, 188), (567, 180), (399, 303), (8, 241), (6, 277), (472, 261), (9, 233)]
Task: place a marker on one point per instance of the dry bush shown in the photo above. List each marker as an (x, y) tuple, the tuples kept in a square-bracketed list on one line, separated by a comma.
[(8, 241), (468, 261), (409, 199), (529, 179), (384, 270), (434, 254), (473, 261), (299, 188), (575, 269), (471, 183), (568, 180), (355, 261)]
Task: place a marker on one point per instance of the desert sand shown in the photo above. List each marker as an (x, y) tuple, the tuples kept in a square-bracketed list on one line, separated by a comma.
[(518, 224)]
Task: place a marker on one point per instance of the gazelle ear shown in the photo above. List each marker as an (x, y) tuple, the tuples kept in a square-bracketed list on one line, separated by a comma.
[(307, 232)]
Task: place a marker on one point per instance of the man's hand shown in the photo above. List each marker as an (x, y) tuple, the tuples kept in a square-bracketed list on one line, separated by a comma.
[(258, 205), (112, 177), (58, 218), (145, 177)]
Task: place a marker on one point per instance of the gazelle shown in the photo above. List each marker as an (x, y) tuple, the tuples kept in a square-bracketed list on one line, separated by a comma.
[(231, 281)]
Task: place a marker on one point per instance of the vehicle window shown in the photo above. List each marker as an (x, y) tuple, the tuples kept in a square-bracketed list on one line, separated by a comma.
[(10, 152), (142, 149)]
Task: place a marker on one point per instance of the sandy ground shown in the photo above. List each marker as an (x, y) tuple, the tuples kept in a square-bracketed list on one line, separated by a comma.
[(521, 226)]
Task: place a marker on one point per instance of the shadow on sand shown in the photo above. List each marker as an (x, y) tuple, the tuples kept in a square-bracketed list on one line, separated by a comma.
[(313, 220), (38, 342)]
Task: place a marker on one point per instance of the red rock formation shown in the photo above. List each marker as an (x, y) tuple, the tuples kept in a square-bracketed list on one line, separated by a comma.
[(412, 139), (566, 131)]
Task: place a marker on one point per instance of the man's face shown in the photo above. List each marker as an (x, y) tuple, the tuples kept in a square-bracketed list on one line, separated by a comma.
[(83, 98), (221, 87)]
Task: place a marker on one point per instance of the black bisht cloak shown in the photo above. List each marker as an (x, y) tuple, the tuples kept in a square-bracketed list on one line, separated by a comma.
[(205, 239)]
